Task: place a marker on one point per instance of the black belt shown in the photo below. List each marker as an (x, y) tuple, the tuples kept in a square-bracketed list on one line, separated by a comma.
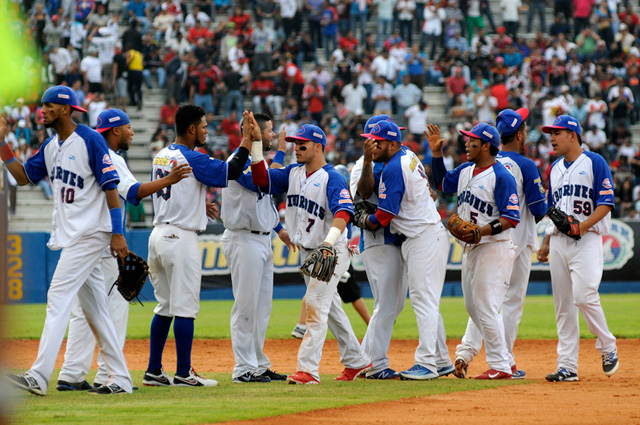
[(255, 232)]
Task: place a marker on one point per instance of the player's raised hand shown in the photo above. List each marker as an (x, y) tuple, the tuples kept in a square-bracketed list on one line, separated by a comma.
[(369, 149), (179, 172), (256, 134), (433, 137), (246, 125), (3, 129), (213, 210), (284, 237), (282, 143), (119, 245)]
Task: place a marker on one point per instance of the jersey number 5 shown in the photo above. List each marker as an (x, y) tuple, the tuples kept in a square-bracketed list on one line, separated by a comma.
[(166, 192)]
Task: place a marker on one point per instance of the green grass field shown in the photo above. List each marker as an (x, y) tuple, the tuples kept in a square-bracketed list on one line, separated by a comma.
[(233, 402)]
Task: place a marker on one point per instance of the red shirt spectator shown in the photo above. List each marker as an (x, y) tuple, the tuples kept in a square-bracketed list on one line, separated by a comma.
[(168, 113), (456, 83), (582, 8), (197, 32), (314, 93), (231, 127), (348, 41), (500, 92), (242, 21), (263, 87)]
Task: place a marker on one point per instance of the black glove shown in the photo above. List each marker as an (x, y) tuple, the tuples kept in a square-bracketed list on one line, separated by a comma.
[(566, 223), (318, 266), (133, 274), (362, 211)]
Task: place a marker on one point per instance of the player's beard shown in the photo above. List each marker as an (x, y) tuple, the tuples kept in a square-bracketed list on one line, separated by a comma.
[(200, 143), (124, 143), (51, 124)]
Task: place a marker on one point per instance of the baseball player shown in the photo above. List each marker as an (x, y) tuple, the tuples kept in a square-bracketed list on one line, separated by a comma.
[(405, 205), (487, 196), (513, 133), (174, 253), (115, 127), (387, 279), (86, 218), (319, 208), (581, 185), (249, 216)]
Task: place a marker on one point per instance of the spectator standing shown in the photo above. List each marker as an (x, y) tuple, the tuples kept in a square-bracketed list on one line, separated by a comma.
[(92, 71), (416, 118), (510, 19), (329, 24), (168, 114), (313, 93), (537, 6), (138, 12), (620, 100), (358, 15), (473, 17), (354, 96), (486, 105), (386, 66), (61, 60), (314, 10), (120, 74), (406, 9), (233, 82), (385, 19), (455, 87), (406, 95), (432, 27), (263, 38), (416, 66), (581, 13), (134, 76), (381, 95)]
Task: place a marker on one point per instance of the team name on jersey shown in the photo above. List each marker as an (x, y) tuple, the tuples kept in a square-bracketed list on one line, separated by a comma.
[(308, 205), (575, 190), (67, 177), (475, 202)]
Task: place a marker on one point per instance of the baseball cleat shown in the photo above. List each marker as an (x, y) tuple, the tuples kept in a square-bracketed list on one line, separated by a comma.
[(387, 373), (517, 373), (73, 386), (107, 389), (26, 382), (562, 375), (193, 380), (494, 374), (418, 373), (299, 331), (461, 367), (153, 379), (610, 362), (351, 374), (274, 376), (302, 378), (446, 370), (250, 377)]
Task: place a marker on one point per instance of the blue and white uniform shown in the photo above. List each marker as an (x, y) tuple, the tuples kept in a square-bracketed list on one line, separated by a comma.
[(80, 169), (578, 188), (404, 193), (81, 343), (532, 202), (486, 267), (311, 203), (175, 265), (249, 216)]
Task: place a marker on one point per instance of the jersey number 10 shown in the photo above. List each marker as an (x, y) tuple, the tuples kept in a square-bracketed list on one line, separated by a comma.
[(67, 194)]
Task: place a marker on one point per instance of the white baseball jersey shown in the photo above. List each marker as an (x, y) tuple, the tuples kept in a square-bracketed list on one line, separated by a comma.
[(531, 195), (404, 192), (183, 204), (483, 197), (312, 202), (245, 207), (80, 169), (577, 188), (382, 235)]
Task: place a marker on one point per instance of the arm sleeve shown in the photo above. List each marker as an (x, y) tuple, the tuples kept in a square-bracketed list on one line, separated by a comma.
[(128, 185), (208, 171), (533, 190), (101, 163), (237, 163), (35, 167), (506, 194), (383, 217), (438, 170), (338, 194), (271, 181), (392, 189), (602, 182)]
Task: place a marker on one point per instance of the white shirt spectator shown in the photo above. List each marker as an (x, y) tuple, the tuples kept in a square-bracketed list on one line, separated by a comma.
[(387, 68), (486, 107), (385, 91), (385, 8), (106, 47), (365, 76), (77, 35), (558, 52), (595, 139), (91, 65), (61, 60), (190, 20), (95, 108), (417, 119), (629, 150), (288, 8), (405, 9), (20, 112), (182, 46), (323, 77), (408, 95), (354, 98), (596, 110), (510, 10), (485, 48), (614, 93), (433, 17)]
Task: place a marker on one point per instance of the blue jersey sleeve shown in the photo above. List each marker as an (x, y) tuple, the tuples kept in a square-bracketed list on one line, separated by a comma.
[(132, 194), (99, 158), (377, 173), (36, 166), (392, 187), (245, 178), (506, 194), (338, 192), (451, 178), (208, 171), (533, 190), (602, 181), (279, 179)]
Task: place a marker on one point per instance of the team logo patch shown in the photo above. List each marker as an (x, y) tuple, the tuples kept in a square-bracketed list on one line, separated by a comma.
[(481, 186), (63, 96), (344, 193), (513, 199), (106, 159), (106, 170), (606, 183), (507, 166), (72, 157), (317, 184), (114, 119), (317, 134), (606, 192), (489, 135), (173, 163), (375, 129), (582, 172), (515, 121), (300, 131), (99, 122)]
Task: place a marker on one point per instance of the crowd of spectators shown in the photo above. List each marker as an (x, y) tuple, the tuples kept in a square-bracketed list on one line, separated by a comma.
[(335, 63)]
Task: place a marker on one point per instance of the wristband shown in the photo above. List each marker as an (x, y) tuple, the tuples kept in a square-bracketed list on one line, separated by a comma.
[(6, 154), (116, 221), (256, 151), (496, 227), (333, 235), (279, 158), (373, 219), (278, 228)]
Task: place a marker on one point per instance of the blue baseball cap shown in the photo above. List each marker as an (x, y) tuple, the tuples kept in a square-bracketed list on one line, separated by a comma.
[(62, 95), (384, 130), (309, 132), (509, 121), (484, 132), (564, 122), (376, 119), (111, 118)]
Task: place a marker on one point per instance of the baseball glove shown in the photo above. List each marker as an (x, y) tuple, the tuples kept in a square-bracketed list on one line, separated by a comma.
[(566, 223), (361, 211), (318, 266), (464, 230), (133, 274)]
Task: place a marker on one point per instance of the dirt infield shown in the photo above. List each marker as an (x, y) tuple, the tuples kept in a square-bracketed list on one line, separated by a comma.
[(596, 399)]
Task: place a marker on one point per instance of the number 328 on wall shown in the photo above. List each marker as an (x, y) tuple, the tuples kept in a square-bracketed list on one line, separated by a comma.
[(14, 270)]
